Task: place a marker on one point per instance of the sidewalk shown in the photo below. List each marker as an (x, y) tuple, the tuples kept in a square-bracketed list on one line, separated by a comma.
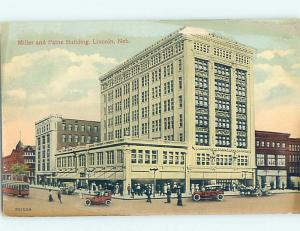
[(157, 196)]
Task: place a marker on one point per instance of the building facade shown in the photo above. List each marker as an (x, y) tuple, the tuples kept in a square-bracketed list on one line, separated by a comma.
[(54, 133), (22, 154), (272, 152), (293, 163), (192, 90)]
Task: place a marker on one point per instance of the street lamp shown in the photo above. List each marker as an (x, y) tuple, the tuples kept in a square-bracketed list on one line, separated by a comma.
[(154, 171)]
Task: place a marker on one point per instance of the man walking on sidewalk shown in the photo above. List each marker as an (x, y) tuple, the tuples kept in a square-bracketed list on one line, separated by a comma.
[(59, 196)]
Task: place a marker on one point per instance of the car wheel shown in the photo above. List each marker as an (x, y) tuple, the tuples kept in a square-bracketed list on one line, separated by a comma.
[(196, 197), (108, 202), (259, 194), (88, 202), (220, 197)]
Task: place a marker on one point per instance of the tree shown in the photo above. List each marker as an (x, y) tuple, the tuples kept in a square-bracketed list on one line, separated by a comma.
[(19, 169)]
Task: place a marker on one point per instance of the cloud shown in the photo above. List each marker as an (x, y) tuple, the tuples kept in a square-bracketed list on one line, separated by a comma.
[(53, 75), (16, 94), (296, 66), (275, 77), (270, 54), (46, 82), (20, 65)]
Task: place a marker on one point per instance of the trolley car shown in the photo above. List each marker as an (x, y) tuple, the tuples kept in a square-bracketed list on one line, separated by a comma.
[(15, 188)]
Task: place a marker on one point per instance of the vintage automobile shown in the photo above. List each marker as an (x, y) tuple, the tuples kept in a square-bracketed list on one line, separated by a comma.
[(67, 188), (100, 197), (213, 192), (251, 191)]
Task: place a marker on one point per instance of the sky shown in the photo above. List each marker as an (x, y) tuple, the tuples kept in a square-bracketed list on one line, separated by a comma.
[(39, 80)]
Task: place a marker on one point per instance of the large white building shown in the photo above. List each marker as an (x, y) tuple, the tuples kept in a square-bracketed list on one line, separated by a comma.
[(184, 106)]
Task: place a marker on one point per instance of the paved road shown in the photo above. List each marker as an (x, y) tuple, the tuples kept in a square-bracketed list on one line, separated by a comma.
[(37, 205)]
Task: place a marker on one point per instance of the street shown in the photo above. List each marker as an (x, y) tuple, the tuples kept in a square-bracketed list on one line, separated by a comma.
[(72, 205)]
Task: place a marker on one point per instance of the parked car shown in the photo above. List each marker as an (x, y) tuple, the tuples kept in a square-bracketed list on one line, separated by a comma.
[(67, 188), (100, 197), (250, 191), (258, 192), (213, 192)]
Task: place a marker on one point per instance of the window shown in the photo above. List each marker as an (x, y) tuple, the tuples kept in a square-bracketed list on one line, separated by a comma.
[(100, 158), (140, 157), (76, 138), (70, 127), (76, 127), (154, 157), (242, 160), (89, 139), (180, 82), (70, 138), (110, 157), (92, 159), (82, 128), (95, 128), (180, 120), (120, 157), (280, 160), (203, 159), (82, 139), (165, 157), (260, 159), (133, 156), (271, 160), (147, 157), (64, 139), (202, 138), (63, 126), (180, 101)]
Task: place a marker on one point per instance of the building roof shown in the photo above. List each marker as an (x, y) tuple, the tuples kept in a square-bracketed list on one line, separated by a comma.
[(184, 31), (20, 145), (271, 134)]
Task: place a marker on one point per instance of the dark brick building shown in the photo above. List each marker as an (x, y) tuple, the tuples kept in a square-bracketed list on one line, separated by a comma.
[(271, 158), (22, 154), (277, 159), (293, 163)]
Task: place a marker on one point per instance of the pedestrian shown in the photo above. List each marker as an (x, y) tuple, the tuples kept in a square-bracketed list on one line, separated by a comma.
[(179, 198), (282, 186), (59, 196), (148, 192), (132, 192), (121, 190), (165, 189), (169, 196), (138, 188), (50, 196), (128, 189)]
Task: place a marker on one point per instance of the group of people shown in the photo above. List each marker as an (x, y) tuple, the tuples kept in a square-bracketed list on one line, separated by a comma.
[(50, 198), (160, 189), (147, 189)]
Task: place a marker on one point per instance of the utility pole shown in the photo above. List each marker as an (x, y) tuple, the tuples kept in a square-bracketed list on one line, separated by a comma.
[(154, 171)]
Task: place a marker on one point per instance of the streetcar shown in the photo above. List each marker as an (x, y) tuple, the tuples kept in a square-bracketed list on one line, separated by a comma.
[(15, 188)]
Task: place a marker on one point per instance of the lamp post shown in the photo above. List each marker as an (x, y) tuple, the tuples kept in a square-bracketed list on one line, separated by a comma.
[(154, 171)]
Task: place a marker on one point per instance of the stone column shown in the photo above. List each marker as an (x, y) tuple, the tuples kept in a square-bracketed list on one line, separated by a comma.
[(127, 169)]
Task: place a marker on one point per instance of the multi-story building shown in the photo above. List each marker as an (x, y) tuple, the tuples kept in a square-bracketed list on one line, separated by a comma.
[(22, 154), (293, 163), (183, 106), (272, 152), (54, 133)]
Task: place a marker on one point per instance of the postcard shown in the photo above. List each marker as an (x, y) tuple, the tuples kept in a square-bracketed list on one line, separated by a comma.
[(186, 117)]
